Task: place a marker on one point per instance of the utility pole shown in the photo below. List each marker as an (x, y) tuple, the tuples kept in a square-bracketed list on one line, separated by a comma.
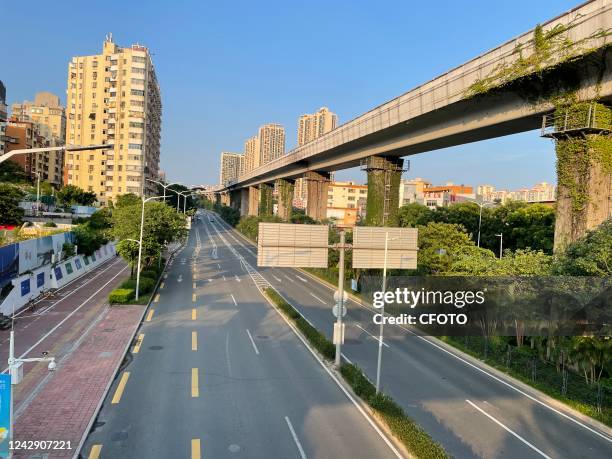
[(338, 332)]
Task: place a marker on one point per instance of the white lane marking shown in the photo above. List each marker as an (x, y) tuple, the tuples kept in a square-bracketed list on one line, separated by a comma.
[(237, 278), (507, 429), (74, 311), (209, 280), (219, 266), (301, 278), (375, 337), (346, 358), (234, 300), (605, 437), (277, 278), (295, 438), (253, 342), (315, 296), (223, 277), (288, 278)]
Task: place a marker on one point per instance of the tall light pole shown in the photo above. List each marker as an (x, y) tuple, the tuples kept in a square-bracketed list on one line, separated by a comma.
[(501, 244), (140, 240), (381, 334), (37, 193), (339, 334), (184, 194), (164, 186)]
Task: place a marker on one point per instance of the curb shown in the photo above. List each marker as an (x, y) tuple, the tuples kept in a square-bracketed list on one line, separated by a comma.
[(125, 351)]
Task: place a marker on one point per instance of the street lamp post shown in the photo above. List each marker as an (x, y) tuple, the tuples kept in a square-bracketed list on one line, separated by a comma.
[(164, 186), (184, 194), (140, 240), (501, 244)]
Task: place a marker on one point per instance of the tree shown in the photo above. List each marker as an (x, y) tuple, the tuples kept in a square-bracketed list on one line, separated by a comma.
[(172, 198), (10, 212), (589, 256), (531, 226), (12, 172), (162, 224), (128, 199), (87, 239), (441, 244), (414, 214), (73, 195)]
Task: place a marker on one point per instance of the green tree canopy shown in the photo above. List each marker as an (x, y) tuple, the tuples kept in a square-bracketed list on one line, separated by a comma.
[(73, 195), (10, 212), (161, 224), (128, 199), (12, 172), (414, 214), (589, 256)]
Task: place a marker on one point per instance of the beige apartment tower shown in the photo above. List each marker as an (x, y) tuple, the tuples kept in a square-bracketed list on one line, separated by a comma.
[(252, 159), (49, 121), (232, 166), (310, 127), (113, 98), (271, 142)]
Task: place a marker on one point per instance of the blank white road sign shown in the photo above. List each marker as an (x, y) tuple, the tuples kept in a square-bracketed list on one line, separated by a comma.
[(292, 245), (369, 247)]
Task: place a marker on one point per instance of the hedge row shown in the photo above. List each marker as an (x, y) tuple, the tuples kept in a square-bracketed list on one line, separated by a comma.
[(416, 440), (126, 292), (121, 296), (405, 429)]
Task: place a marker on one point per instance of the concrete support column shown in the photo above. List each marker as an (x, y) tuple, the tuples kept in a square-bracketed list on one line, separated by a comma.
[(244, 202), (225, 198), (235, 199), (584, 186), (218, 199), (384, 176), (318, 186), (265, 199), (285, 189), (253, 201)]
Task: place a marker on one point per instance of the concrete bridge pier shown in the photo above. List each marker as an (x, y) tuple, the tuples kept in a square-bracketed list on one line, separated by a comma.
[(265, 199), (244, 202), (318, 186), (584, 172), (285, 189), (235, 197), (384, 176), (253, 201), (225, 198), (218, 199)]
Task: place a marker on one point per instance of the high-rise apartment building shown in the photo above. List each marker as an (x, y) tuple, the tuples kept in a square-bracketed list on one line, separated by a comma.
[(310, 127), (266, 146), (49, 118), (114, 98), (271, 142), (3, 117), (251, 154), (232, 166), (314, 125)]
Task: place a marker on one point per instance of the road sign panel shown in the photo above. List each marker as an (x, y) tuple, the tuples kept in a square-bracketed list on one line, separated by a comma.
[(337, 296), (292, 245), (369, 247), (335, 310)]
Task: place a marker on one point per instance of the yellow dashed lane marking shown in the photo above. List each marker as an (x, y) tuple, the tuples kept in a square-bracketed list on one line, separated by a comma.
[(195, 388), (120, 388), (162, 285), (95, 451), (193, 297), (194, 285), (150, 315), (156, 300), (194, 341), (194, 314), (136, 349), (195, 448)]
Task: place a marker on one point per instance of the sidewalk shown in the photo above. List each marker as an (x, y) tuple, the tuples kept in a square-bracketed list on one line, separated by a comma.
[(64, 407)]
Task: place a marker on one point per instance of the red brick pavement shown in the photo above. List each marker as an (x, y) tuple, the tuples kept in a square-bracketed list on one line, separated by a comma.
[(64, 407)]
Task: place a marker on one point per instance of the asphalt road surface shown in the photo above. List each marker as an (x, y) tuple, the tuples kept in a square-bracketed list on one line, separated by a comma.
[(216, 372), (465, 407)]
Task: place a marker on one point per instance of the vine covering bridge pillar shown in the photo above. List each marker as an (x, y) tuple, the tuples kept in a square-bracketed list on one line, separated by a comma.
[(285, 189), (384, 176), (265, 199), (318, 186), (244, 202), (583, 142)]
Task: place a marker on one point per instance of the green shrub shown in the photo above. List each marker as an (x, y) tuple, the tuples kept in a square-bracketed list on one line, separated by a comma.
[(150, 274), (50, 225), (121, 295), (146, 285)]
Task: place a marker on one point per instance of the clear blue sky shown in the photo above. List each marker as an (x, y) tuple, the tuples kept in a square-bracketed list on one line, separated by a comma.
[(227, 67)]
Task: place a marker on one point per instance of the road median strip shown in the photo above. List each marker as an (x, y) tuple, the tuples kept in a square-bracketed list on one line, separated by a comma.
[(406, 431)]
